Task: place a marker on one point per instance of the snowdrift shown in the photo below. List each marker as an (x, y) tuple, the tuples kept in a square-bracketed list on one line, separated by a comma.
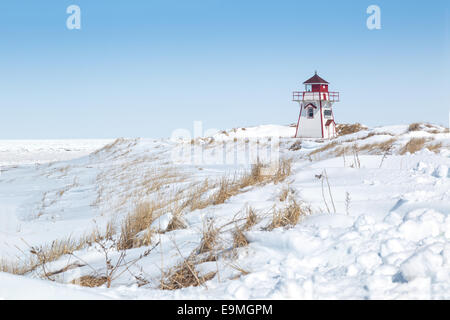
[(363, 216)]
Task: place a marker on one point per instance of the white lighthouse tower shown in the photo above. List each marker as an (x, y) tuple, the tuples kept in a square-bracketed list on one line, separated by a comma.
[(316, 119)]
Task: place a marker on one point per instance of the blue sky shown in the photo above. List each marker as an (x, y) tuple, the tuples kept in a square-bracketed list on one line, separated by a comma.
[(145, 68)]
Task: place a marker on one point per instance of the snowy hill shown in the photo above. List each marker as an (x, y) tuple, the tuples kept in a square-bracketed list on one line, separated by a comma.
[(15, 152), (366, 215)]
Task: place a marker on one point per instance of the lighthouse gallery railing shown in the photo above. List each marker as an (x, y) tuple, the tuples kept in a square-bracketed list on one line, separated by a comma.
[(315, 96)]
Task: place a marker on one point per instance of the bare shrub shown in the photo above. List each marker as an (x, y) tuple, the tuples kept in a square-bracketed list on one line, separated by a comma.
[(113, 268), (44, 254), (323, 177), (413, 145), (57, 249)]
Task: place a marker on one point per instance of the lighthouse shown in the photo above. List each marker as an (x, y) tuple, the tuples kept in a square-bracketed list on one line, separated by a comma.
[(316, 119)]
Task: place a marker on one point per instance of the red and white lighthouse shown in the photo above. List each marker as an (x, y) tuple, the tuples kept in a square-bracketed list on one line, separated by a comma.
[(316, 119)]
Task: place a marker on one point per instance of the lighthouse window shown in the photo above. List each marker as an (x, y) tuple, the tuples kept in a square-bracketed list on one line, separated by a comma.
[(327, 113), (310, 113)]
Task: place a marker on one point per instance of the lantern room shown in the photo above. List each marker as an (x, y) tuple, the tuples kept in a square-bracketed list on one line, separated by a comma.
[(316, 84)]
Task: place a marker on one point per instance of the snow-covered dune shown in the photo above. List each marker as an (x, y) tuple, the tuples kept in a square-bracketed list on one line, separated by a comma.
[(15, 152), (375, 220)]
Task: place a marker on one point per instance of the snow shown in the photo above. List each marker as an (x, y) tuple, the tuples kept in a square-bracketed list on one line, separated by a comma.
[(388, 237), (256, 132), (17, 287), (15, 152)]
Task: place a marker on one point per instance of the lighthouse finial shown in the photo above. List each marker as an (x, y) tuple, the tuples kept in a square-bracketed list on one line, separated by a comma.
[(315, 71)]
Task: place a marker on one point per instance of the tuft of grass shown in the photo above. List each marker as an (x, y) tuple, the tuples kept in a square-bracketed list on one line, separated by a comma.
[(288, 216), (383, 146), (209, 237), (435, 147), (44, 254), (297, 145), (242, 271), (183, 276), (372, 134), (285, 193), (145, 213), (254, 177), (413, 145), (110, 146), (139, 220), (251, 219), (239, 238), (283, 171), (259, 174), (227, 188), (196, 197), (345, 129), (90, 281), (17, 267), (414, 127), (326, 147), (176, 223)]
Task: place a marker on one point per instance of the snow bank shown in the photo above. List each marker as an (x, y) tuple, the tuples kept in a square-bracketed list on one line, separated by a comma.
[(380, 231), (15, 152), (16, 287)]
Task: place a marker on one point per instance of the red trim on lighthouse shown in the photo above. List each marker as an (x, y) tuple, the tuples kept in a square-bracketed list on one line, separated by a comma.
[(321, 118)]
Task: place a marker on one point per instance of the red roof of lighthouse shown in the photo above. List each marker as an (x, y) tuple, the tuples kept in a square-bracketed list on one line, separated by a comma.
[(316, 80)]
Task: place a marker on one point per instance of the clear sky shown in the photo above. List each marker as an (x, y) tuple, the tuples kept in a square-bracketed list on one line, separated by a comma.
[(143, 68)]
